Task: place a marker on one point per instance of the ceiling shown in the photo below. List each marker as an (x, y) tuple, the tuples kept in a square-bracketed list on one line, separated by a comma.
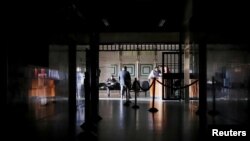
[(40, 18), (33, 25), (119, 15)]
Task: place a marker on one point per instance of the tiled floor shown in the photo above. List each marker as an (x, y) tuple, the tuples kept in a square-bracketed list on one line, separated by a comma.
[(43, 120)]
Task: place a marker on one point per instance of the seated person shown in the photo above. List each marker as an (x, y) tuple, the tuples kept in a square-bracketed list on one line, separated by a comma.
[(110, 84)]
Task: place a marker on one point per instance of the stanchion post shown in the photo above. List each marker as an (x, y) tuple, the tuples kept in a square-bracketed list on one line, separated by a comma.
[(153, 109), (135, 106)]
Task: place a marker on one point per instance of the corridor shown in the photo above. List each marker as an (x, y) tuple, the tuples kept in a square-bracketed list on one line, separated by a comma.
[(174, 121)]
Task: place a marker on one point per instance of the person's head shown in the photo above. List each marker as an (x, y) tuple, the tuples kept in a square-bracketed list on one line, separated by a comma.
[(124, 68), (112, 76), (156, 68)]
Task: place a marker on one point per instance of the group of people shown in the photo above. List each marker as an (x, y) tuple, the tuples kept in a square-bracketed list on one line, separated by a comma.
[(125, 80)]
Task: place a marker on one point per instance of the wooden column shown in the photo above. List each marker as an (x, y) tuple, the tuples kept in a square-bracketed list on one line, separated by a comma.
[(120, 60), (137, 65), (186, 66), (202, 87), (94, 74), (72, 88), (4, 76), (180, 61)]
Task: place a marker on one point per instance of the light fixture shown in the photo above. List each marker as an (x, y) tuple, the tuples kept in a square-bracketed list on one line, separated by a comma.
[(162, 22), (105, 22)]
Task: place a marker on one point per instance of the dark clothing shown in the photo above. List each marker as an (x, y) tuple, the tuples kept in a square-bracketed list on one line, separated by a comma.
[(125, 82), (124, 78), (136, 86)]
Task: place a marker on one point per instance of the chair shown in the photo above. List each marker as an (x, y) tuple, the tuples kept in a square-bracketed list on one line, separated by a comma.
[(145, 86)]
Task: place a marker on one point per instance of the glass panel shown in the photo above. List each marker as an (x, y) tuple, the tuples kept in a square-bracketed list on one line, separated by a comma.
[(228, 66)]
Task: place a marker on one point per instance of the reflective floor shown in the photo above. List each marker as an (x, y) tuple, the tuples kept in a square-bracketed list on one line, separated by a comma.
[(48, 119)]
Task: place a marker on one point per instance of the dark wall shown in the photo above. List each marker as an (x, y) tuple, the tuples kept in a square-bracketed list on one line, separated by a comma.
[(27, 50)]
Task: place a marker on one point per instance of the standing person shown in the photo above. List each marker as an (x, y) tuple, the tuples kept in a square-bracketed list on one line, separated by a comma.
[(110, 84), (79, 81), (154, 74), (125, 81)]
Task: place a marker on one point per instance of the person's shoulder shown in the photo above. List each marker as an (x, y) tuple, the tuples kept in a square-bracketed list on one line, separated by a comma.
[(120, 73), (127, 73)]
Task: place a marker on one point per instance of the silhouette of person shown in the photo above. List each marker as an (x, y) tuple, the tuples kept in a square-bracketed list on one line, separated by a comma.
[(79, 79), (125, 81), (136, 86), (110, 84)]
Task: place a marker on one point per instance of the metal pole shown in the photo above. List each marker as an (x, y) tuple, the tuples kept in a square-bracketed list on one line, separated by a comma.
[(153, 109), (213, 112), (135, 106)]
